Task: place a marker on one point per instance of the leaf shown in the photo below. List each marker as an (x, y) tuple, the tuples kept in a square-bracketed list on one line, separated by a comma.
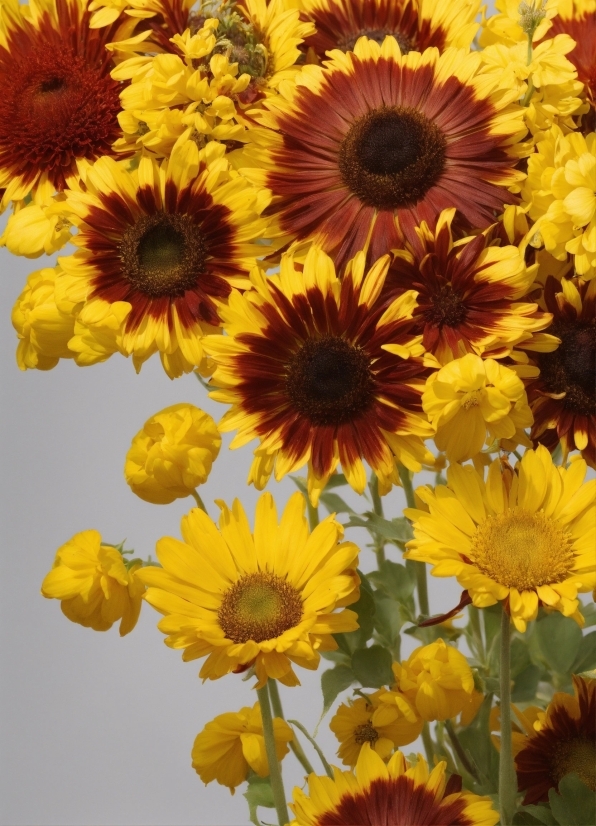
[(394, 580), (475, 739), (589, 613), (540, 814), (258, 793), (520, 656), (388, 619), (558, 639), (365, 608), (526, 684), (333, 682), (300, 483), (575, 805), (398, 529), (336, 481), (372, 666), (586, 656), (335, 504)]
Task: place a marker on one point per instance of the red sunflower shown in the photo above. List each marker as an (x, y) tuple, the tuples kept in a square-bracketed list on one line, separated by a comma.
[(577, 18)]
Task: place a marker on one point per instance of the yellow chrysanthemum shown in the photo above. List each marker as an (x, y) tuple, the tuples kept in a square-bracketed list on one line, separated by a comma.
[(43, 330), (172, 454), (506, 25), (365, 720), (94, 586), (264, 600), (162, 246), (525, 536), (37, 228), (402, 792), (471, 401), (232, 744)]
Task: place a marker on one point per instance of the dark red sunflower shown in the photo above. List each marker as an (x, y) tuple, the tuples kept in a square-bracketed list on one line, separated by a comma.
[(577, 18)]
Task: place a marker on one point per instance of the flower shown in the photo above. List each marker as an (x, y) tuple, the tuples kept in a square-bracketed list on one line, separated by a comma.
[(415, 25), (366, 720), (458, 147), (525, 536), (59, 105), (563, 397), (507, 25), (471, 401), (170, 242), (172, 454), (469, 292), (303, 366), (264, 600), (232, 744), (436, 679), (561, 740), (94, 585), (397, 793), (42, 329), (577, 18)]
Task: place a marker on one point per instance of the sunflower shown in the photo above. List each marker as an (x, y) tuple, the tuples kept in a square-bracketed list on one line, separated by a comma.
[(577, 18), (59, 106), (563, 397), (561, 740), (264, 600), (415, 24), (304, 368), (167, 242), (374, 143), (469, 292), (525, 536), (396, 794)]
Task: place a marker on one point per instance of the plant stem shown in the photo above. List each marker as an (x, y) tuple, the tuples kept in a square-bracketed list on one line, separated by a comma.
[(428, 744), (277, 786), (459, 751), (474, 615), (507, 776), (373, 486), (315, 745), (419, 567), (198, 500), (313, 514), (295, 743)]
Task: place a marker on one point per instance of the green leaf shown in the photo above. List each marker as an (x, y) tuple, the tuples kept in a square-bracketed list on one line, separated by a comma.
[(475, 739), (396, 529), (335, 504), (575, 805), (333, 682), (300, 483), (336, 481), (520, 656), (559, 639), (259, 793), (394, 580), (526, 684), (388, 619), (372, 666), (586, 656), (589, 614), (540, 814), (365, 608)]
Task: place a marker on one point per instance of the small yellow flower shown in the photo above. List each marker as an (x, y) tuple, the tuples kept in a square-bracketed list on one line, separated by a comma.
[(232, 744), (472, 401), (172, 454), (95, 587)]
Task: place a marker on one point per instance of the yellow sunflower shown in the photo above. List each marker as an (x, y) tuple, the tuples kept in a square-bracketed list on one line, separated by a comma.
[(265, 600), (166, 244), (525, 536), (396, 793), (375, 142), (304, 368)]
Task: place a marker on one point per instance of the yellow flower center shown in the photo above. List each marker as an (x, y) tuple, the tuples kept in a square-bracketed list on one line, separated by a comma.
[(578, 756), (260, 606), (472, 400), (522, 550), (366, 733)]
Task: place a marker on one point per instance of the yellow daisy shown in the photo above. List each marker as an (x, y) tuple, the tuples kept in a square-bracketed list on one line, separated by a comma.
[(525, 536), (264, 600), (396, 794)]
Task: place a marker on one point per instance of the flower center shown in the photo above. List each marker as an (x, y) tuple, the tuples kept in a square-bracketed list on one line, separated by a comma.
[(578, 755), (346, 44), (392, 156), (329, 380), (163, 254), (571, 368), (522, 550), (366, 733), (260, 606), (447, 308)]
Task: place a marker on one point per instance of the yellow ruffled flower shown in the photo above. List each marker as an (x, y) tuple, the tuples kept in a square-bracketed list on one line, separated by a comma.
[(506, 26), (42, 328), (232, 744), (94, 585), (471, 401), (38, 228), (525, 535), (172, 454)]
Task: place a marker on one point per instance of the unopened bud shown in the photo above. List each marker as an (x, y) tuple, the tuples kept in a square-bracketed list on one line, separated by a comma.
[(531, 15)]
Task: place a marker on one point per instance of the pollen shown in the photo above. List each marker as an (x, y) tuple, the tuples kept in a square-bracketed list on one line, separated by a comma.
[(577, 755), (260, 606), (366, 733)]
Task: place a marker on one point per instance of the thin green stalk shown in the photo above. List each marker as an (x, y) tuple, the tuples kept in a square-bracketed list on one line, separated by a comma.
[(459, 751), (295, 743), (474, 615), (507, 776), (313, 514), (428, 745), (198, 500), (315, 745), (277, 785), (419, 567), (373, 486)]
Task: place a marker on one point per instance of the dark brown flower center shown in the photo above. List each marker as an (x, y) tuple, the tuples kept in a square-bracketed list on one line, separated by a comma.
[(260, 606), (163, 254), (447, 308), (329, 380), (346, 44), (571, 368), (366, 733), (577, 755), (392, 156)]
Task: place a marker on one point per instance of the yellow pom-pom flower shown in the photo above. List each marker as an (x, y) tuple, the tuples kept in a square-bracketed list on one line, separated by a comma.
[(264, 599), (404, 793), (94, 585), (525, 535), (470, 401), (172, 454), (232, 744)]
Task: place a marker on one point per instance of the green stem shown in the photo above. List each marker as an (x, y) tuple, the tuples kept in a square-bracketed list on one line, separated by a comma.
[(459, 751), (315, 745), (419, 567), (428, 745), (530, 90), (277, 786), (313, 514), (474, 615), (198, 500), (507, 776), (295, 743), (373, 486)]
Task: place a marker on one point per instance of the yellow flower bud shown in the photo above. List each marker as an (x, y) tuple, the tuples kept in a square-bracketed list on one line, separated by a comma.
[(172, 454)]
